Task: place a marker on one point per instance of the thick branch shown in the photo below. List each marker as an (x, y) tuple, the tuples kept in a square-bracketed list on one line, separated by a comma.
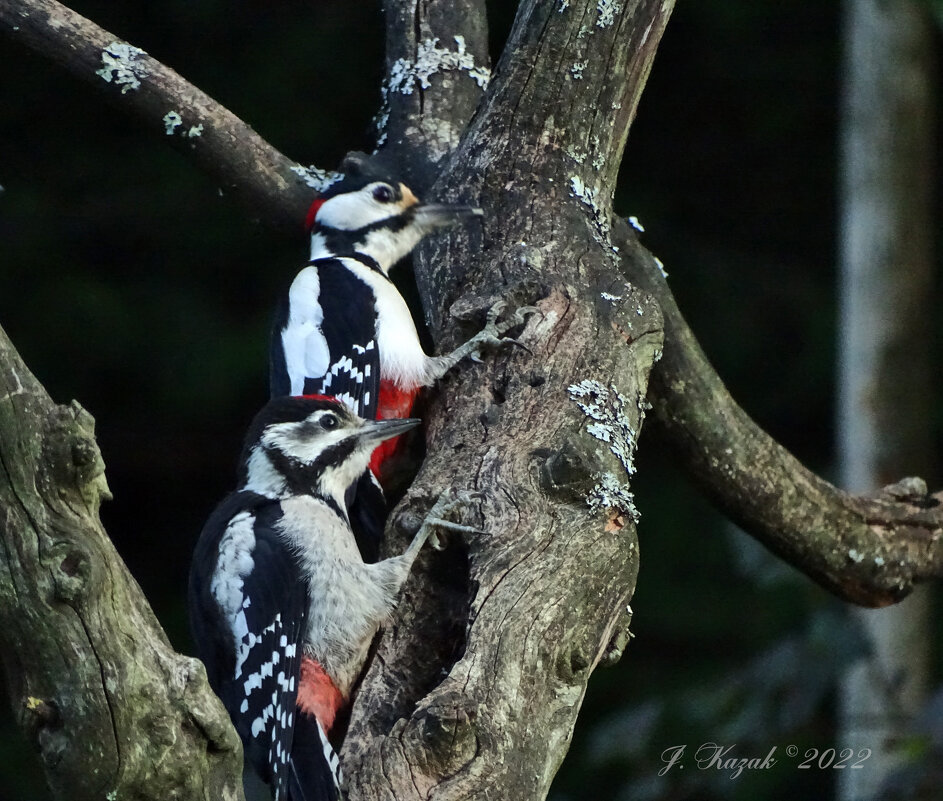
[(557, 114), (868, 550), (112, 709), (243, 163)]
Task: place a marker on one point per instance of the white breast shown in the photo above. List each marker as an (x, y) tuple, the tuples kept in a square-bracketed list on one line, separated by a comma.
[(402, 359), (347, 603)]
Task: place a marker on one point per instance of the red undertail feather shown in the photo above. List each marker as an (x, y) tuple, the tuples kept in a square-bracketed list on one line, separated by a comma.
[(317, 694), (394, 402)]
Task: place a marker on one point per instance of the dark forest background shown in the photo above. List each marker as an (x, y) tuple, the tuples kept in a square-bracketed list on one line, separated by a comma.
[(129, 282)]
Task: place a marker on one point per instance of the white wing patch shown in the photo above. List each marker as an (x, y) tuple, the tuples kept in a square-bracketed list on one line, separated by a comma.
[(233, 565), (303, 343)]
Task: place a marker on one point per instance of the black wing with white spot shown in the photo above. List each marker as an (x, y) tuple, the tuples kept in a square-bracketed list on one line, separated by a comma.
[(255, 599), (324, 339), (349, 327), (315, 773)]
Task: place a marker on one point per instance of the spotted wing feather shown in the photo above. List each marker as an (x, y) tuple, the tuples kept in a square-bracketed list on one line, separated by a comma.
[(327, 331), (256, 589)]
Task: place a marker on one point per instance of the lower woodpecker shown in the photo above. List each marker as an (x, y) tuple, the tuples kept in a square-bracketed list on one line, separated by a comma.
[(282, 606)]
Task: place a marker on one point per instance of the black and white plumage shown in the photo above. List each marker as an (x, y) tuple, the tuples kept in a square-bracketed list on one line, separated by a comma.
[(344, 329), (277, 581)]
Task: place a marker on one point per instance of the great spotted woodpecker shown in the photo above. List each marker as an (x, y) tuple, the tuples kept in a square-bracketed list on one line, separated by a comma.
[(344, 330), (282, 606)]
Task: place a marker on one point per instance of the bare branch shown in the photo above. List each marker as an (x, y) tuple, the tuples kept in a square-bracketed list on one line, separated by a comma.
[(273, 186), (112, 709), (868, 550)]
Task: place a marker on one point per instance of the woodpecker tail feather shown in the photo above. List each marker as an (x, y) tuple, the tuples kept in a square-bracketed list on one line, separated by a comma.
[(315, 772)]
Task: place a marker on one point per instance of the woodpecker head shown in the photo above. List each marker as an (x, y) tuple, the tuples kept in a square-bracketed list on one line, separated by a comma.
[(311, 445), (369, 212)]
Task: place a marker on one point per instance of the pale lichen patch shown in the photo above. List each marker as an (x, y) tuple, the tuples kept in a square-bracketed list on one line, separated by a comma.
[(195, 130), (661, 267), (316, 179), (432, 59), (610, 493), (121, 66), (606, 409), (577, 69), (587, 195), (607, 10), (171, 120), (634, 222)]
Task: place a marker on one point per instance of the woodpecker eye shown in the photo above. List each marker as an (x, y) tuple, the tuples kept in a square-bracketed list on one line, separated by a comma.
[(328, 422), (383, 194)]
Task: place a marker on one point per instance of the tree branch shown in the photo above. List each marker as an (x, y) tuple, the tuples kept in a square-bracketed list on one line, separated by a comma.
[(112, 709), (272, 186), (867, 550)]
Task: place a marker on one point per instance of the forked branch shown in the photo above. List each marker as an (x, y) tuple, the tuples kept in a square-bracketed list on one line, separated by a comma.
[(869, 550)]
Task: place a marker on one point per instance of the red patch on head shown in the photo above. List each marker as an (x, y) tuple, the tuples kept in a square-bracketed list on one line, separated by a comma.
[(330, 398), (313, 213)]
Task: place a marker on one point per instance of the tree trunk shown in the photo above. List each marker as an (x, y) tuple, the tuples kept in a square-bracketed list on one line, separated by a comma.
[(112, 709), (885, 370), (546, 433), (479, 679)]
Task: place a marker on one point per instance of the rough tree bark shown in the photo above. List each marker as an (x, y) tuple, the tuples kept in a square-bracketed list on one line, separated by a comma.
[(545, 434), (478, 682), (113, 710)]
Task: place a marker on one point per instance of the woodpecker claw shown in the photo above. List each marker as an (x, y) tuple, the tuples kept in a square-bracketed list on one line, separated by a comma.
[(492, 335), (449, 501)]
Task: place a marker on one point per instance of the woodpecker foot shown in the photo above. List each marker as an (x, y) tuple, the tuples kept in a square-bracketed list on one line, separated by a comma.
[(492, 335), (448, 502)]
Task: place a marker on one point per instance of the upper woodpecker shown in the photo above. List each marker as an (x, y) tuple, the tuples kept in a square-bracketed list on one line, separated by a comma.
[(344, 329), (282, 606)]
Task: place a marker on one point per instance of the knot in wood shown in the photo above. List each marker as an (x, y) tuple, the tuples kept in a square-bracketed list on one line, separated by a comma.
[(71, 454), (567, 472), (71, 572), (39, 713), (449, 734)]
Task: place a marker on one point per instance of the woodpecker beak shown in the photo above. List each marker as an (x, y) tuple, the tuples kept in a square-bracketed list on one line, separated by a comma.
[(375, 431), (438, 215)]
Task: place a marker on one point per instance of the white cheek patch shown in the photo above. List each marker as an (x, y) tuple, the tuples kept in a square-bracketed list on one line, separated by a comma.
[(354, 210)]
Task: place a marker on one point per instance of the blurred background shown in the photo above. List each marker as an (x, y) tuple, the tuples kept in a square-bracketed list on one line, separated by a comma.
[(129, 283)]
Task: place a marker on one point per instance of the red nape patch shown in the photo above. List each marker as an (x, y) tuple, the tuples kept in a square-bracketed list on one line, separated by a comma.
[(393, 403), (317, 694), (330, 398), (312, 213)]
